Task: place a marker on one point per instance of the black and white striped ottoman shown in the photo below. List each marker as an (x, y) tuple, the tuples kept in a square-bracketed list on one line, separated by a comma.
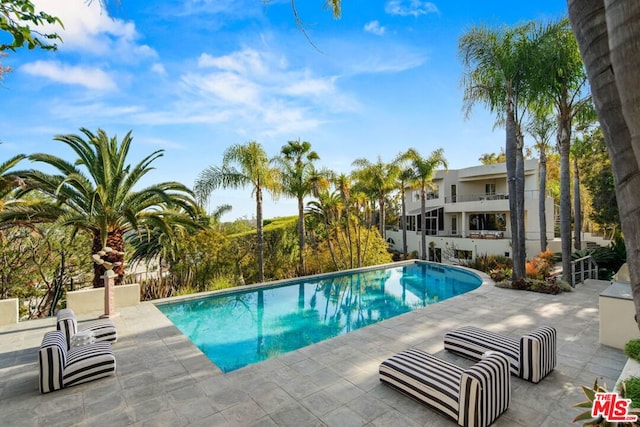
[(532, 356), (473, 397)]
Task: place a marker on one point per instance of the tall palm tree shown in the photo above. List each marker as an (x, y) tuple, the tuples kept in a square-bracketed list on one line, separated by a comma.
[(560, 81), (243, 165), (405, 177), (299, 179), (380, 179), (96, 194), (423, 169), (497, 65), (607, 33), (541, 127)]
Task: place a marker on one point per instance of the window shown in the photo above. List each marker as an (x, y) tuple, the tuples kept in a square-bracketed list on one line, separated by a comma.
[(454, 193), (495, 222), (461, 254), (490, 189)]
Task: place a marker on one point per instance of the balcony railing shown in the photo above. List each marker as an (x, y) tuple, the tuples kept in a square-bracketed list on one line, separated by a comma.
[(461, 198)]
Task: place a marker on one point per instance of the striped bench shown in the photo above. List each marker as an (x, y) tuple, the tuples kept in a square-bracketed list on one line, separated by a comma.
[(60, 367), (103, 329), (532, 357), (473, 397)]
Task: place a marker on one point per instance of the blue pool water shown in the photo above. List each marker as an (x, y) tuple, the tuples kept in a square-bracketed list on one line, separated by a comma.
[(240, 328)]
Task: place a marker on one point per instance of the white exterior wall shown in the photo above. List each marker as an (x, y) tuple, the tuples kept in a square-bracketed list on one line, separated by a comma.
[(471, 198)]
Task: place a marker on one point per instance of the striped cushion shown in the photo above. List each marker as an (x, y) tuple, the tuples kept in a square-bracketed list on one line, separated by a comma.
[(52, 358), (89, 362), (474, 397), (429, 380), (531, 357), (485, 391), (103, 329)]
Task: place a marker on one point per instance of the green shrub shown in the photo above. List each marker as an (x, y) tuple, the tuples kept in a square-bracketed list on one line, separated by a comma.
[(632, 391), (632, 349)]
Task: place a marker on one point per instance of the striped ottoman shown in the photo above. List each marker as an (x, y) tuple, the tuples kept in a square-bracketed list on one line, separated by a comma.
[(473, 397), (532, 356)]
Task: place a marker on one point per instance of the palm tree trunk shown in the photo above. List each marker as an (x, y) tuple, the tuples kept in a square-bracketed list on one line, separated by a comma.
[(563, 140), (614, 87), (423, 212), (520, 248), (404, 224), (542, 186), (260, 234), (511, 160), (577, 208), (301, 237), (382, 217)]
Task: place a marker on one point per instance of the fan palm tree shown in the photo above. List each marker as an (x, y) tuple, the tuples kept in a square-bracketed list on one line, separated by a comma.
[(300, 179), (243, 165), (96, 194), (497, 66), (405, 177), (423, 169)]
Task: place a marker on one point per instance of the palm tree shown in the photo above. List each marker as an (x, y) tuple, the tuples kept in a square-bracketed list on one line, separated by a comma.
[(541, 128), (243, 165), (423, 169), (405, 177), (95, 194), (9, 181), (497, 66), (607, 33), (300, 179), (560, 80), (380, 179)]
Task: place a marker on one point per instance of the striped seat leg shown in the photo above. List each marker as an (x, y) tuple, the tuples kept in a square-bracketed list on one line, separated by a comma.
[(485, 391), (538, 353), (52, 358)]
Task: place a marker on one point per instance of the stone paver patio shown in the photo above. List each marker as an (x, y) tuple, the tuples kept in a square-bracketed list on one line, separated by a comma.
[(164, 380)]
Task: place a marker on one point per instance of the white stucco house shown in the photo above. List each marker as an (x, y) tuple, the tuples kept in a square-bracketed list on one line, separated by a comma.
[(468, 214)]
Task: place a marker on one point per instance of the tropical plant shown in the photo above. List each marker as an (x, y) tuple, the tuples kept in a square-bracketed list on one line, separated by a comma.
[(587, 417), (9, 181), (96, 194), (423, 170), (496, 72), (300, 179), (405, 177), (243, 165), (607, 33), (378, 179), (559, 79)]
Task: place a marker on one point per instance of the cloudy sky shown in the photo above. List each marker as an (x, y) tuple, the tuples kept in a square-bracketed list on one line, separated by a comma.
[(193, 77)]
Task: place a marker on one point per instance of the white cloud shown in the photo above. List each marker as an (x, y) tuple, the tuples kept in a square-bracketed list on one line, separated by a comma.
[(89, 77), (410, 7), (158, 68), (374, 28), (89, 29)]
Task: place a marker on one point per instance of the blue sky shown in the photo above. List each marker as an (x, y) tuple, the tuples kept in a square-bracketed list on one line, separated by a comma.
[(193, 77)]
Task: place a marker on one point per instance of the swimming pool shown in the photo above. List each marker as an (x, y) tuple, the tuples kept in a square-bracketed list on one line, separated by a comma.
[(248, 326)]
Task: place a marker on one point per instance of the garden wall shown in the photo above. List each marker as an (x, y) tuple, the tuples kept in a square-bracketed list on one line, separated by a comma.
[(8, 311), (91, 300)]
